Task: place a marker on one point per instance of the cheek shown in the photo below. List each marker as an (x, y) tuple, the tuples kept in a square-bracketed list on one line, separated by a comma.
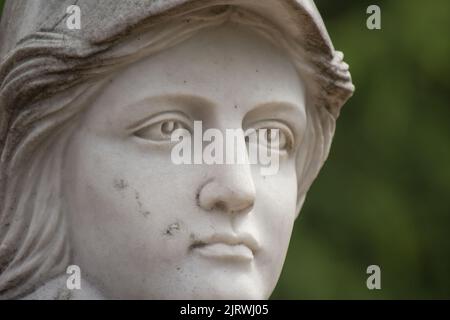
[(278, 193), (117, 212), (276, 206), (275, 212)]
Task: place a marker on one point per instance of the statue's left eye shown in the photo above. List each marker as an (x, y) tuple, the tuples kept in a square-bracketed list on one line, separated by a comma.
[(272, 134), (274, 138), (162, 130)]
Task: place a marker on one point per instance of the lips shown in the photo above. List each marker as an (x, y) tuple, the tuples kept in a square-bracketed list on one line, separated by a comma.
[(227, 247)]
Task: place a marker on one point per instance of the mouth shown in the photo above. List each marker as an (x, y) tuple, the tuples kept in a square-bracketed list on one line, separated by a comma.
[(227, 247)]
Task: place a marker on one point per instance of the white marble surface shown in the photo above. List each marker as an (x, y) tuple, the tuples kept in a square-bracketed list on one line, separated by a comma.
[(100, 189)]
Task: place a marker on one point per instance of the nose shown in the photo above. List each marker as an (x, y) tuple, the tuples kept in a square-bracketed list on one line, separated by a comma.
[(231, 190)]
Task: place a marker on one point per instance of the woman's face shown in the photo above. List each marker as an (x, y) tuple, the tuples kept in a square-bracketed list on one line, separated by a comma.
[(144, 227)]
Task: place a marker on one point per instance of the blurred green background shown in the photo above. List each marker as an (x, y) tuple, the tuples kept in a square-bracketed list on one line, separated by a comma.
[(382, 196)]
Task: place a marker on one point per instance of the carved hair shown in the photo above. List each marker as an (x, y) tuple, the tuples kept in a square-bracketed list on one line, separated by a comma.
[(46, 82)]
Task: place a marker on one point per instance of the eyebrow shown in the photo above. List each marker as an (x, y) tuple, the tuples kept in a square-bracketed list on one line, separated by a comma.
[(196, 104), (288, 112), (286, 108)]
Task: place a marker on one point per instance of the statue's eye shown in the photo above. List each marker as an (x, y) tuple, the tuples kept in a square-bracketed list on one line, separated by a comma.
[(272, 134), (162, 127)]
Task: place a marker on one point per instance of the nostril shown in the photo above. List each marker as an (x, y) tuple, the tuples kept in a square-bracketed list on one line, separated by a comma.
[(228, 193), (219, 197), (232, 207), (220, 206), (243, 209)]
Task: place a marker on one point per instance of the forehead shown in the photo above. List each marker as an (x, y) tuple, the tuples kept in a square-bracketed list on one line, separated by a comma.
[(229, 66)]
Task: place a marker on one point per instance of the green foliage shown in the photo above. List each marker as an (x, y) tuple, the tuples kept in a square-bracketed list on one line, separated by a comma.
[(381, 197)]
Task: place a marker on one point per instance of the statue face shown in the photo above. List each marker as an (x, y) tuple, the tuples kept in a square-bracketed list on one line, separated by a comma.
[(144, 227)]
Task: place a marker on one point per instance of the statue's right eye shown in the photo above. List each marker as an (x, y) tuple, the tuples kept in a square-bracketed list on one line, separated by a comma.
[(161, 127)]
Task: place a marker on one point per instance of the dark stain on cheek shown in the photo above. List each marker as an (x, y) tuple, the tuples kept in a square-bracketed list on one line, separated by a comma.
[(120, 184), (141, 210), (172, 229)]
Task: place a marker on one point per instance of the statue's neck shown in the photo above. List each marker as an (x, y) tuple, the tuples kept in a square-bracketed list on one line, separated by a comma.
[(56, 289)]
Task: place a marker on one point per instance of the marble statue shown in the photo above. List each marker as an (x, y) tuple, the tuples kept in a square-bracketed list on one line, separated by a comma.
[(86, 120)]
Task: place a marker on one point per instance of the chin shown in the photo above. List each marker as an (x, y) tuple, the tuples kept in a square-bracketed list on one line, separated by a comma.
[(230, 290)]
